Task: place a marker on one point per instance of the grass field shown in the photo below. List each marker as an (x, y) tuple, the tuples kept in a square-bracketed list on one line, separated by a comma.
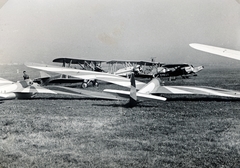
[(57, 131)]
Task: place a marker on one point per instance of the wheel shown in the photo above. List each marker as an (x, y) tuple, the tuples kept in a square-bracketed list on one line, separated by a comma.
[(84, 85), (96, 84)]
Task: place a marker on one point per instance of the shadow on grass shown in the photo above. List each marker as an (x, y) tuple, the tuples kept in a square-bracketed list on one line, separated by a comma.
[(67, 98), (125, 105)]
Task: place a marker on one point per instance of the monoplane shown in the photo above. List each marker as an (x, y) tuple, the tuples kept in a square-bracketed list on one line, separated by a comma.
[(174, 70)]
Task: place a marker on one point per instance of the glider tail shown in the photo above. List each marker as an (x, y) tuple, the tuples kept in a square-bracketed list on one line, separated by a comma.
[(43, 79), (151, 87), (133, 92)]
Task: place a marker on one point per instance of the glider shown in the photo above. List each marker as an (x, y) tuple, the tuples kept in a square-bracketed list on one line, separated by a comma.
[(224, 52), (154, 88), (27, 89)]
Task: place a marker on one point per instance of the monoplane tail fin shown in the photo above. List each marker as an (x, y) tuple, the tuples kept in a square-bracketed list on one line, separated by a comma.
[(151, 87), (44, 75), (133, 92)]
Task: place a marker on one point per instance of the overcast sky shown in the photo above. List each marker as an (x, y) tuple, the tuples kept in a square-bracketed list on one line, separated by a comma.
[(39, 31)]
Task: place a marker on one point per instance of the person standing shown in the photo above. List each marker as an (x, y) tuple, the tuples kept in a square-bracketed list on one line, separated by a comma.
[(25, 75)]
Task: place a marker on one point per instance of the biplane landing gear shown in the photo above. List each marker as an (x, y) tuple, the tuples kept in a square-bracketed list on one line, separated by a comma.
[(95, 83), (84, 85)]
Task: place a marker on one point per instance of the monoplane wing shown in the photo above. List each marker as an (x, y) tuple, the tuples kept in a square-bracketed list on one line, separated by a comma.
[(84, 74), (211, 91), (5, 82), (31, 88), (82, 93), (217, 50), (2, 2)]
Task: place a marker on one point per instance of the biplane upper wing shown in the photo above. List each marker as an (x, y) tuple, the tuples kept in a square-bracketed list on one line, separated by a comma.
[(139, 62), (84, 74), (76, 60), (217, 50), (175, 65)]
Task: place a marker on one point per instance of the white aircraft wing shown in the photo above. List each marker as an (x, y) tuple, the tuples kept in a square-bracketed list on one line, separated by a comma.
[(5, 82), (196, 90), (84, 74), (34, 88), (2, 2), (82, 93), (217, 50)]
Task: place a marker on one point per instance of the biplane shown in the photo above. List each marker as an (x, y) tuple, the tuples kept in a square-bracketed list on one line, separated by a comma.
[(147, 69), (138, 89), (79, 63)]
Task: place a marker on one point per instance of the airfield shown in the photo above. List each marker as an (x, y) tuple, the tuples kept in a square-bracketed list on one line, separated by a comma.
[(63, 131)]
